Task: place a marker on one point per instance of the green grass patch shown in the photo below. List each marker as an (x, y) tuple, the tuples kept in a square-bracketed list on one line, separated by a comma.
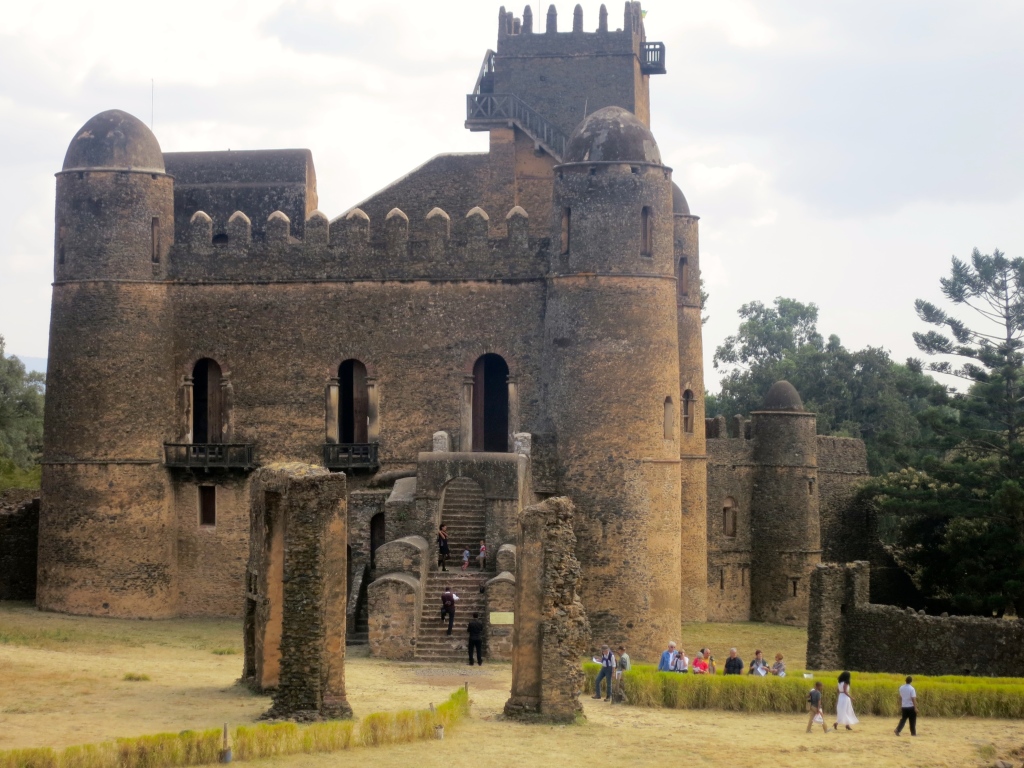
[(249, 742), (224, 652), (135, 677), (873, 693)]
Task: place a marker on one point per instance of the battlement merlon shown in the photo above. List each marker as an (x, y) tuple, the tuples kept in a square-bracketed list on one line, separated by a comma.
[(513, 31), (347, 249)]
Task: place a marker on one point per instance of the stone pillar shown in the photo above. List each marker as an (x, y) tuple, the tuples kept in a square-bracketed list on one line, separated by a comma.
[(372, 410), (331, 410), (227, 409), (522, 443), (466, 413), (513, 410), (187, 394), (551, 631), (442, 442)]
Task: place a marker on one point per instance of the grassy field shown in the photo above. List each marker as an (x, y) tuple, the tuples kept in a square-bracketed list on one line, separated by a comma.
[(62, 682)]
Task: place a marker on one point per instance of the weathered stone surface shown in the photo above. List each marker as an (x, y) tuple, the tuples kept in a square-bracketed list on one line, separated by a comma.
[(507, 558), (501, 599), (395, 602), (551, 629)]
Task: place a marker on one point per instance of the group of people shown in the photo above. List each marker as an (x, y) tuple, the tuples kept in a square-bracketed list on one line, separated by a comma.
[(475, 628), (674, 659), (612, 667), (845, 715), (444, 552)]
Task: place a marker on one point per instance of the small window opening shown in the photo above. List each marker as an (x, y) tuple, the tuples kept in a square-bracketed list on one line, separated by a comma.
[(566, 216), (593, 171), (721, 579), (682, 277), (155, 240), (793, 584), (729, 518), (207, 505), (646, 232), (81, 174), (634, 170), (810, 486), (220, 239), (376, 536), (743, 577), (670, 419), (688, 411), (60, 245)]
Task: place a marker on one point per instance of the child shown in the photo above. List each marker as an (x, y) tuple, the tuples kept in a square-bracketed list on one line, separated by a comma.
[(465, 559), (482, 557), (814, 707)]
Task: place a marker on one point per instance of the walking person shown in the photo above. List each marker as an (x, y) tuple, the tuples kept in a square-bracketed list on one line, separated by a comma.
[(465, 559), (482, 557), (448, 599), (814, 707), (844, 705), (442, 547), (607, 662), (476, 639), (908, 707), (623, 666)]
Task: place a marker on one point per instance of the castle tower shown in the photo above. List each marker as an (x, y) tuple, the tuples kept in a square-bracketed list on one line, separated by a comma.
[(612, 376), (693, 454), (785, 529), (105, 531)]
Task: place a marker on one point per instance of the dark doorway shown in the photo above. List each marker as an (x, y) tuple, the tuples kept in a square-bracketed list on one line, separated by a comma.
[(353, 403), (490, 404), (206, 402), (376, 536)]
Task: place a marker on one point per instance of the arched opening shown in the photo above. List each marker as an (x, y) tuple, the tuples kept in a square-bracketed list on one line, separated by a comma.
[(729, 517), (566, 227), (688, 411), (646, 232), (376, 536), (490, 404), (670, 419), (353, 403), (682, 277), (207, 410)]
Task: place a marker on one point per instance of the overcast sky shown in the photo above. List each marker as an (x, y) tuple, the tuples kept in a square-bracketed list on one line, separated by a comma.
[(836, 152)]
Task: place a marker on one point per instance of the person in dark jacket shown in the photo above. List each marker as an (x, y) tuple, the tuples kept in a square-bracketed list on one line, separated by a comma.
[(448, 599), (442, 548), (734, 664), (476, 639)]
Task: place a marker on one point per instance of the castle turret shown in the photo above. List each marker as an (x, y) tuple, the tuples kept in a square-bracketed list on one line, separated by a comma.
[(694, 471), (612, 366), (106, 537), (785, 528)]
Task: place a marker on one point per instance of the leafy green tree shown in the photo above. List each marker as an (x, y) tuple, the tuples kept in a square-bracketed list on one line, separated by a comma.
[(21, 421), (863, 393)]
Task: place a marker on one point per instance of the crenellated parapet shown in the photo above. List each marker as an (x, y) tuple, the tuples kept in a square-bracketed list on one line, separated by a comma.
[(348, 248), (511, 26)]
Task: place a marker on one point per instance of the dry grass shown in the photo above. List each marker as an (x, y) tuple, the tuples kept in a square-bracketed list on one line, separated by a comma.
[(71, 692)]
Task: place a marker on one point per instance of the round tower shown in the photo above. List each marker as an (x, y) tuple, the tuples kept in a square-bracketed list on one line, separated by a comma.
[(612, 376), (106, 538), (785, 529), (693, 452)]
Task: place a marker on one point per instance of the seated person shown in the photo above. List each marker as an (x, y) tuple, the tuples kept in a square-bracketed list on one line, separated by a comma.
[(734, 664), (758, 666)]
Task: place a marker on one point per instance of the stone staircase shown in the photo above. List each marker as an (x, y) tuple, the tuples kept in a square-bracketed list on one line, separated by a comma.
[(432, 642), (464, 513)]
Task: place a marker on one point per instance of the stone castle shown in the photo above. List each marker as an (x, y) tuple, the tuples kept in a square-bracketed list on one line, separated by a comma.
[(490, 330)]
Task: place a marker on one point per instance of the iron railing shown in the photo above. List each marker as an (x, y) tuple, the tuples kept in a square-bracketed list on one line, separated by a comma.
[(351, 456), (485, 80), (484, 109), (210, 455), (652, 58)]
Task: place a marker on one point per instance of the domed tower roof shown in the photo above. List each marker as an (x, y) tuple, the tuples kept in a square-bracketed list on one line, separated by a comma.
[(612, 134), (679, 205), (114, 141), (782, 397)]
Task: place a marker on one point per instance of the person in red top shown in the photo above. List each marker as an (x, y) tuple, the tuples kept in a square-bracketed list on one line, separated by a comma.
[(699, 665)]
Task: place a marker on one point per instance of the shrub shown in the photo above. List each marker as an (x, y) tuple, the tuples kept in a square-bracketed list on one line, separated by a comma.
[(224, 652), (135, 677), (43, 757)]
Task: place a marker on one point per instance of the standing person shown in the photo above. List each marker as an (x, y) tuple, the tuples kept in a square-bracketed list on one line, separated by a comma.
[(709, 661), (668, 658), (844, 706), (623, 666), (734, 664), (607, 662), (908, 707), (476, 639), (779, 667), (442, 547), (814, 707), (700, 664), (482, 557), (465, 559), (682, 662), (448, 599), (758, 666)]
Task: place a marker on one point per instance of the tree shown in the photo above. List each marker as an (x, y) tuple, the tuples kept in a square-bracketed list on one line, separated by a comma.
[(21, 421), (957, 524), (861, 393)]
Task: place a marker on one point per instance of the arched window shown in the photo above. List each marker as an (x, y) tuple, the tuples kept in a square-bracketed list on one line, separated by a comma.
[(729, 517), (682, 277), (353, 403), (646, 232), (490, 404), (670, 419), (566, 224), (688, 411), (207, 406)]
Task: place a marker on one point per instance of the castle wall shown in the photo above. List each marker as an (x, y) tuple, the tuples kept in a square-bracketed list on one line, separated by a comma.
[(730, 476), (842, 468)]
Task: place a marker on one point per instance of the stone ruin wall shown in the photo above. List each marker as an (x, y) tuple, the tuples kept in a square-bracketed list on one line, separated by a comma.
[(19, 544), (847, 631)]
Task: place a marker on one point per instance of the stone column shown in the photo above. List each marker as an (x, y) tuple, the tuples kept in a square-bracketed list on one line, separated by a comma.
[(331, 394), (372, 412), (466, 414), (513, 410), (227, 409), (187, 394)]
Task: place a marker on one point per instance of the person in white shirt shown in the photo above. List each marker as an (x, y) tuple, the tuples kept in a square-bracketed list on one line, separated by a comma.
[(681, 663), (607, 662), (908, 707)]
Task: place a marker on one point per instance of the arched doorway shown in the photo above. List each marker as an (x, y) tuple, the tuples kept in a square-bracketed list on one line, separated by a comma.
[(490, 404), (376, 536), (206, 402), (353, 403)]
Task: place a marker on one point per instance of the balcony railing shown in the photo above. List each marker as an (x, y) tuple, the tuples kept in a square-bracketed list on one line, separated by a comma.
[(351, 456), (210, 455), (483, 110), (652, 59)]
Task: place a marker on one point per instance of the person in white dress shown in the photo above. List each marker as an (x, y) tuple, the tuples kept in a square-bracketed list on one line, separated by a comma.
[(844, 704)]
